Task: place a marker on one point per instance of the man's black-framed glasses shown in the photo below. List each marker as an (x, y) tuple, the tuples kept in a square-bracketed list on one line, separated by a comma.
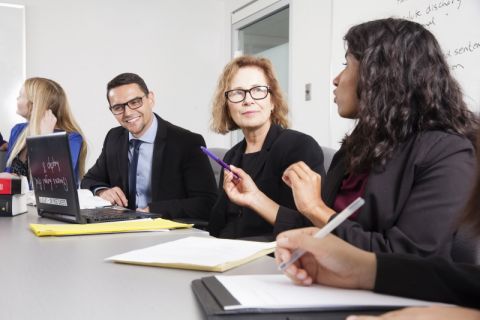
[(133, 104), (239, 95)]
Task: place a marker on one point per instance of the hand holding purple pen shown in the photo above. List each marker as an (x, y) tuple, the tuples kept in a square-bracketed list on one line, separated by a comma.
[(218, 160)]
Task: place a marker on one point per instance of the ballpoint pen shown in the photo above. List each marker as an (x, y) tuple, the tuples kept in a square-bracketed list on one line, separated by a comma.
[(219, 161)]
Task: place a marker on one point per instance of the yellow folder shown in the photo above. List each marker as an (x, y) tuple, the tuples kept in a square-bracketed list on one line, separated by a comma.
[(41, 230)]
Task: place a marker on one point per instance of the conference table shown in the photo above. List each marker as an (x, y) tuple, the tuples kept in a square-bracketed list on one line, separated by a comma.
[(67, 277)]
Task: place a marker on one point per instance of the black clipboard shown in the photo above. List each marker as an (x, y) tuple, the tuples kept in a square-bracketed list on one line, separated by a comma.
[(212, 296)]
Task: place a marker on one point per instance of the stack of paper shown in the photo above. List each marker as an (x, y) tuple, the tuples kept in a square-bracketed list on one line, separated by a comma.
[(159, 224), (277, 292), (198, 253), (87, 200)]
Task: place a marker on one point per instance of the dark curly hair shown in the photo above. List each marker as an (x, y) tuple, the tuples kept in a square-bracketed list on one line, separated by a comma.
[(405, 87)]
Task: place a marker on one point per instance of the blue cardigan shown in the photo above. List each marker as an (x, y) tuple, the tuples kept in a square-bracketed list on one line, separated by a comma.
[(74, 138)]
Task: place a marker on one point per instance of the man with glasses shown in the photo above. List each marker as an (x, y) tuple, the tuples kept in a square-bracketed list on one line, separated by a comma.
[(147, 163)]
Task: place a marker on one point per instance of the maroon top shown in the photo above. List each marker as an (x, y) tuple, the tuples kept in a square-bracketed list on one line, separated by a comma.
[(353, 186)]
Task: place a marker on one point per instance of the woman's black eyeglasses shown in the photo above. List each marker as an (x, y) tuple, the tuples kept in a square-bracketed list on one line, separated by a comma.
[(239, 95)]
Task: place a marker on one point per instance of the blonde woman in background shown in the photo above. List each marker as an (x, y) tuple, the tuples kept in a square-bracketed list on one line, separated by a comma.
[(44, 104)]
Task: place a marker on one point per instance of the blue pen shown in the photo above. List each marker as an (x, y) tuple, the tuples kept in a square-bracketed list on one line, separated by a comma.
[(219, 161)]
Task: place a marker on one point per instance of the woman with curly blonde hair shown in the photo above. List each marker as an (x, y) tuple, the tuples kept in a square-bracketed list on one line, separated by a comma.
[(248, 97)]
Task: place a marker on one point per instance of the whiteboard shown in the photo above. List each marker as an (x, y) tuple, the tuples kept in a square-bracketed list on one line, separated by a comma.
[(455, 23), (12, 63)]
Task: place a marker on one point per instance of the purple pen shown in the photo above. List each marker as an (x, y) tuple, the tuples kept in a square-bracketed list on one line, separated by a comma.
[(218, 160)]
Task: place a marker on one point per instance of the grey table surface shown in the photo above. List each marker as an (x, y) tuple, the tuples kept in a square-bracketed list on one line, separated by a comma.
[(67, 277)]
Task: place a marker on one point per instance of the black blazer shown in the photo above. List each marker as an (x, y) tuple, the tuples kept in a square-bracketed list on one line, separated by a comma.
[(282, 147), (432, 279), (183, 184), (413, 204)]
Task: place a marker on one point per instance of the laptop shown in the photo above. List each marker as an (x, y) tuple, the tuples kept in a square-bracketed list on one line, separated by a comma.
[(55, 185)]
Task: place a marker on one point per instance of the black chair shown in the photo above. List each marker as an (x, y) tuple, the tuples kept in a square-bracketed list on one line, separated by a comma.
[(3, 160)]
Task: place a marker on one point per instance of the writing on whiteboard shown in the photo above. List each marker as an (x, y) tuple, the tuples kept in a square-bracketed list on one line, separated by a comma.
[(432, 13)]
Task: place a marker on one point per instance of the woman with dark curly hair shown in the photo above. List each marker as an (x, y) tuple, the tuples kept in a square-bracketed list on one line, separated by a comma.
[(410, 155), (333, 262)]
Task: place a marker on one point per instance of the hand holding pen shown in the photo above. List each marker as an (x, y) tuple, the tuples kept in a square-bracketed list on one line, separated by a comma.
[(323, 232), (330, 261)]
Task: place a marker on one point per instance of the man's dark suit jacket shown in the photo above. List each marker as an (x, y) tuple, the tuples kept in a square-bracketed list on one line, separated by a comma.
[(183, 184), (282, 147), (413, 204)]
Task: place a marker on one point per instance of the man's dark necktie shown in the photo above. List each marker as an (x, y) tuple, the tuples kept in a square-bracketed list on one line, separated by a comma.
[(132, 174)]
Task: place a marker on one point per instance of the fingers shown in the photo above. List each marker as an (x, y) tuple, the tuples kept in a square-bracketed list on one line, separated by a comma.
[(115, 195), (286, 243), (301, 168), (406, 314), (239, 173), (289, 177), (244, 181), (49, 116), (291, 239), (107, 195), (120, 197), (305, 239), (229, 181), (48, 122), (297, 172), (233, 175), (294, 271), (287, 173)]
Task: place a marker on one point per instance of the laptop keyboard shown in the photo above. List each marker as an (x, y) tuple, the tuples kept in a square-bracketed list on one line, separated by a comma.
[(110, 214)]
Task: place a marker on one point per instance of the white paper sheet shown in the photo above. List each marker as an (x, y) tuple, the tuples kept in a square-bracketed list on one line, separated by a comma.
[(202, 251), (278, 292)]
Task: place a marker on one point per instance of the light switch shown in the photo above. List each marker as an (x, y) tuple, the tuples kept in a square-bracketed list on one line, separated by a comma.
[(308, 92)]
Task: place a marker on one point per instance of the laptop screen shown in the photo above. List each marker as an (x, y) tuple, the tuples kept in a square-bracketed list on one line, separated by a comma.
[(52, 174)]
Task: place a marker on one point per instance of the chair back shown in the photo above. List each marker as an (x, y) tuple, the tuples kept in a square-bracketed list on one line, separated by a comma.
[(3, 160), (217, 169), (327, 157)]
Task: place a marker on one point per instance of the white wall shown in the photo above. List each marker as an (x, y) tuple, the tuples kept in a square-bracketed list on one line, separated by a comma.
[(12, 61), (178, 47), (310, 51), (278, 55), (310, 38)]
